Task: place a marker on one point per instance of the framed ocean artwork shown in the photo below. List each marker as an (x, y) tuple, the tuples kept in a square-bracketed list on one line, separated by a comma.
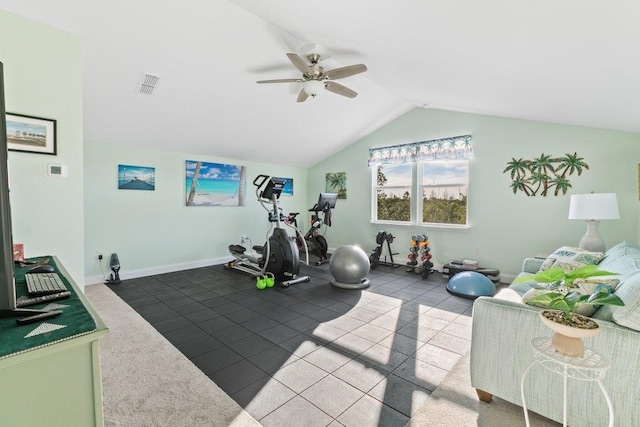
[(136, 178), (215, 184), (287, 190)]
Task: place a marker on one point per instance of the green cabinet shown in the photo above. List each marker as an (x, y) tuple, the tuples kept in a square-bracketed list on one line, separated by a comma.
[(55, 383)]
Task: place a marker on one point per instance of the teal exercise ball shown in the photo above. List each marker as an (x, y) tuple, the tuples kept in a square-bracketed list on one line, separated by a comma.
[(471, 284)]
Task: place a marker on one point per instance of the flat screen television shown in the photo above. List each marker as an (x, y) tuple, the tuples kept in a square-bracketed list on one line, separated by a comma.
[(7, 278), (7, 284)]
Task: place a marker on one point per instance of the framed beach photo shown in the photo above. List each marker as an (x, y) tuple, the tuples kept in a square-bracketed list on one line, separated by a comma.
[(31, 134), (287, 190), (215, 184), (136, 178)]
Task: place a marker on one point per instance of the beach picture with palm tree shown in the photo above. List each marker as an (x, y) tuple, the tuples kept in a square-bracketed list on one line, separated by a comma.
[(215, 184), (337, 183)]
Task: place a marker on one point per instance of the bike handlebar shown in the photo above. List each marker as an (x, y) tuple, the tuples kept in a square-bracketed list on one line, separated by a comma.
[(264, 178)]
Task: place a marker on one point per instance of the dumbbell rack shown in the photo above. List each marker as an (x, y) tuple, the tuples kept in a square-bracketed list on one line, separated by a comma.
[(374, 258), (420, 256)]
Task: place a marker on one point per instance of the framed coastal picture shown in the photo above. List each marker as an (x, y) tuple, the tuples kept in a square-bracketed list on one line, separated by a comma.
[(215, 184), (287, 190), (136, 178), (336, 182), (31, 134)]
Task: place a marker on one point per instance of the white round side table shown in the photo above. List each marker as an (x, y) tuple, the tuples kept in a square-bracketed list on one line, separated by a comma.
[(591, 367)]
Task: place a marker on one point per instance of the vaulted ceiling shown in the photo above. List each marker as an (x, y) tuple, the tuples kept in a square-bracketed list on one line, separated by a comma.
[(570, 61)]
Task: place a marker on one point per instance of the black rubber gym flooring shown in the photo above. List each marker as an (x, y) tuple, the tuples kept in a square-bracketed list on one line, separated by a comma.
[(311, 354)]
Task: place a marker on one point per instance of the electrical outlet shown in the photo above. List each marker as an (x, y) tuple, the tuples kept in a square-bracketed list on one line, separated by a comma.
[(243, 239)]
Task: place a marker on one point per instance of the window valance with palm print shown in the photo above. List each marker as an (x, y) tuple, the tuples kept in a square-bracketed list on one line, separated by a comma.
[(455, 148)]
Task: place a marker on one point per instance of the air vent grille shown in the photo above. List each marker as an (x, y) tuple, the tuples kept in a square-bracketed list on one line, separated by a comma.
[(148, 83)]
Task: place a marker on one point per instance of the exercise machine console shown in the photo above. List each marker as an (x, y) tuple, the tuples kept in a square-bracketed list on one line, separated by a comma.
[(314, 238)]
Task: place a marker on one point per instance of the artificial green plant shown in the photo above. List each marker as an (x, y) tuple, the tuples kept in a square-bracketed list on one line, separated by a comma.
[(560, 293)]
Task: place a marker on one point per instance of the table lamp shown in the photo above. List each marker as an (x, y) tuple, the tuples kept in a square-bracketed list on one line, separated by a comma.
[(593, 208)]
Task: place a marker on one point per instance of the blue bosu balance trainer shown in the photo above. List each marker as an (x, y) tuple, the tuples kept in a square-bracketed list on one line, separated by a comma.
[(471, 284)]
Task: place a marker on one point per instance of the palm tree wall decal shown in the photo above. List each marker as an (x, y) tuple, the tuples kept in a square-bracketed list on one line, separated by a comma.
[(544, 173)]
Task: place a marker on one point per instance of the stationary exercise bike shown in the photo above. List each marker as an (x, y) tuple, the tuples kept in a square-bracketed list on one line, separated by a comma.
[(314, 239), (278, 257)]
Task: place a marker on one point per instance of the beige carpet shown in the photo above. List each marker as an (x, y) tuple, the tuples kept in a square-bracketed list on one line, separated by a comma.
[(148, 382), (455, 403)]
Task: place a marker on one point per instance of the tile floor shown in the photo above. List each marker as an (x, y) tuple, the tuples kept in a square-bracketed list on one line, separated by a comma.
[(312, 354)]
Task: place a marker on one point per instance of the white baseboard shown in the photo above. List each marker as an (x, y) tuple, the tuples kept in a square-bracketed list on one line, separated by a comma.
[(160, 269), (143, 272)]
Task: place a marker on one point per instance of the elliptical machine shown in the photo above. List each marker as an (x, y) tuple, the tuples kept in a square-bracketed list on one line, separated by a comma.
[(279, 256), (314, 239)]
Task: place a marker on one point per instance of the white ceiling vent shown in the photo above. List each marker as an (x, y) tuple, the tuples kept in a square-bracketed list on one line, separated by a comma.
[(147, 84)]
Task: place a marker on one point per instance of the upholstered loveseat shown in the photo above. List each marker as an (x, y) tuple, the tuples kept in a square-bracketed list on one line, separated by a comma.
[(503, 328)]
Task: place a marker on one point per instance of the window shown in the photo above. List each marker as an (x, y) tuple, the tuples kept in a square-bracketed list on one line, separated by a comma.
[(421, 183), (393, 190), (444, 192)]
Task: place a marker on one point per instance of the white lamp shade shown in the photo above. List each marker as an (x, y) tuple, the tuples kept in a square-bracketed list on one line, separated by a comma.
[(594, 206), (313, 87)]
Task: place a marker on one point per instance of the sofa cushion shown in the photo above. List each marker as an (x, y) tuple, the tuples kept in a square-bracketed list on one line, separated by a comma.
[(596, 284), (627, 315), (569, 258), (623, 258), (523, 287)]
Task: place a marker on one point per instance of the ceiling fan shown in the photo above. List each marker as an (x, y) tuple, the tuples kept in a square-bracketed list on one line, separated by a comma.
[(315, 78)]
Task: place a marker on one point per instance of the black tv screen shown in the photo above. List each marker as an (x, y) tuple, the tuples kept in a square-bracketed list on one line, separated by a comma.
[(7, 284)]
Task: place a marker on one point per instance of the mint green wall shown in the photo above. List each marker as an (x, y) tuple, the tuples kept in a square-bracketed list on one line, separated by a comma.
[(43, 78), (153, 231), (505, 227)]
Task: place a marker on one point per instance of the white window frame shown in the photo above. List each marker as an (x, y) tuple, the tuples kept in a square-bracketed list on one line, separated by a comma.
[(416, 199)]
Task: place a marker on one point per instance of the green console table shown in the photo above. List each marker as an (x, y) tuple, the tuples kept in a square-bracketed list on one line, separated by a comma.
[(50, 370)]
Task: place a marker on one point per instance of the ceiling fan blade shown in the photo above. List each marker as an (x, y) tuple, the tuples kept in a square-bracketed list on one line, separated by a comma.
[(298, 63), (340, 90), (340, 73), (281, 81), (302, 96)]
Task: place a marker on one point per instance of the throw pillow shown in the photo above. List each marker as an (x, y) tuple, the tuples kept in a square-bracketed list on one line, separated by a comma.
[(595, 284), (629, 314), (569, 258)]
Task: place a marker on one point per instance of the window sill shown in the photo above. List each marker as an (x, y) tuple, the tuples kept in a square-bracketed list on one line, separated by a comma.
[(425, 226)]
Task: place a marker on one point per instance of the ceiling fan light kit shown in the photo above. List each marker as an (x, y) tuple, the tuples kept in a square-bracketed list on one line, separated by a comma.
[(314, 77), (313, 87)]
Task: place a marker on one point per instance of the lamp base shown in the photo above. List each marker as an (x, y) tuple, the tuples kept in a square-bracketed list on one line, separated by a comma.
[(592, 241)]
